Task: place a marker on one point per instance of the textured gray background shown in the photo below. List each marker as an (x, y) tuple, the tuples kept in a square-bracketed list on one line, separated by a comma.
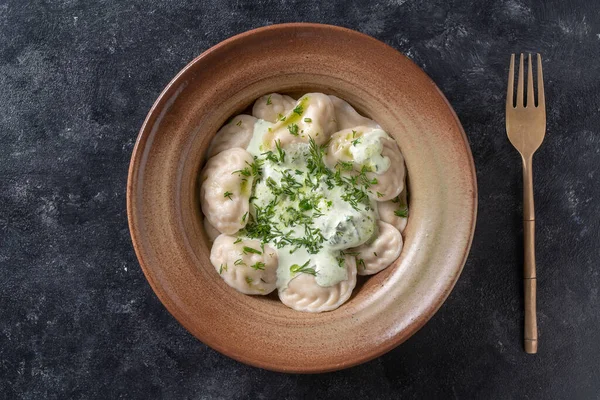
[(77, 318)]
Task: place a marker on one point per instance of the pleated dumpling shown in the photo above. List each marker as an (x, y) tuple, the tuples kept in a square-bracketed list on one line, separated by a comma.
[(372, 150), (244, 264), (395, 211), (273, 106), (303, 293), (312, 117), (378, 253), (225, 190), (236, 133), (347, 117)]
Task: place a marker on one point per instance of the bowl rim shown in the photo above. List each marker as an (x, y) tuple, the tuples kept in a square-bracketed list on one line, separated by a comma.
[(135, 161)]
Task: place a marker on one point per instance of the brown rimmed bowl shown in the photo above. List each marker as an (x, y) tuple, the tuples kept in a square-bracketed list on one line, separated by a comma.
[(166, 223)]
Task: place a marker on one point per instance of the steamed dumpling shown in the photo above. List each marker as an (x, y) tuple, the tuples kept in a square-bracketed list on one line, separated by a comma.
[(312, 116), (271, 107), (379, 253), (393, 211), (391, 183), (347, 117), (303, 293), (245, 265), (236, 133), (224, 192), (371, 149)]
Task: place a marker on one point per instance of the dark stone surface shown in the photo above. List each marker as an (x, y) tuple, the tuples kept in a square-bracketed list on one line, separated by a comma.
[(77, 318)]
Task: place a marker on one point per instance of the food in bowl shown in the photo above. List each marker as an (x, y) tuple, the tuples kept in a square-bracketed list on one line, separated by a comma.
[(300, 197)]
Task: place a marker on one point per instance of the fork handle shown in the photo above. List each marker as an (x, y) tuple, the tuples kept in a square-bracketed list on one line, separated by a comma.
[(529, 274), (530, 286)]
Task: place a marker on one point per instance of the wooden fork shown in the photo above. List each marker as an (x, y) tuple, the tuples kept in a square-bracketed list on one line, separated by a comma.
[(526, 127)]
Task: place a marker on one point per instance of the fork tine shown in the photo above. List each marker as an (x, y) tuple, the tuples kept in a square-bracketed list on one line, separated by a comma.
[(540, 83), (530, 100), (511, 83), (520, 82)]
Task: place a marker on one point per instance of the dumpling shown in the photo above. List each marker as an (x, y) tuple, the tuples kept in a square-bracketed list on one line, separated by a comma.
[(245, 266), (391, 183), (211, 231), (271, 107), (312, 116), (225, 191), (371, 149), (393, 211), (304, 294), (378, 254), (236, 133), (347, 117)]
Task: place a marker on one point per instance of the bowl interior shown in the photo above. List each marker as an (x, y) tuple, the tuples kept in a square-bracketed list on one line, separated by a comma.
[(166, 223)]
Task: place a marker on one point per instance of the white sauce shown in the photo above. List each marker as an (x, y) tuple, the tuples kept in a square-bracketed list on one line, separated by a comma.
[(341, 225), (367, 151)]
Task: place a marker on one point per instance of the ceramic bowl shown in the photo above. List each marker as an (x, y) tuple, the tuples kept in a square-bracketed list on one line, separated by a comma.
[(166, 222)]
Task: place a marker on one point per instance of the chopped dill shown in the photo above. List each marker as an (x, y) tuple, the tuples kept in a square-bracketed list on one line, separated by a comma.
[(361, 263), (298, 109), (251, 250), (280, 151), (293, 128), (258, 265), (402, 213), (242, 172), (296, 269)]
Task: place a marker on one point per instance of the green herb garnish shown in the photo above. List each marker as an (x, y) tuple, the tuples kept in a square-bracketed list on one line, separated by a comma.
[(293, 128), (250, 250), (280, 151), (295, 268), (402, 213), (298, 109), (305, 205), (344, 165), (309, 120), (239, 123), (258, 265), (269, 100), (361, 263), (243, 172), (228, 195)]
